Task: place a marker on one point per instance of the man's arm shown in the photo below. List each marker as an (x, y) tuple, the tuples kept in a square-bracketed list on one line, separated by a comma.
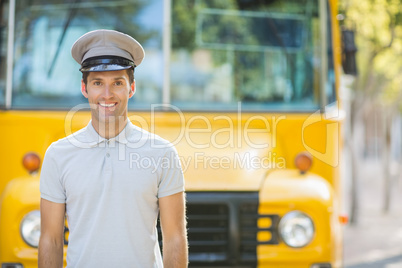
[(173, 223), (52, 234)]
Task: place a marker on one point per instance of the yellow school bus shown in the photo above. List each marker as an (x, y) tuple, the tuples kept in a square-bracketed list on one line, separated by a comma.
[(247, 91)]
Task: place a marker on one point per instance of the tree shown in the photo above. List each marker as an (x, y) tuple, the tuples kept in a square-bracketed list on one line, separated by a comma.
[(378, 27)]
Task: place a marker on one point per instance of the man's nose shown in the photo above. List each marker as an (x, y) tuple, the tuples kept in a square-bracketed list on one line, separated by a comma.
[(107, 92)]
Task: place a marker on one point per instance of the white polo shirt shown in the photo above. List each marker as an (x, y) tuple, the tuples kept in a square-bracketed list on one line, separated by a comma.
[(111, 190)]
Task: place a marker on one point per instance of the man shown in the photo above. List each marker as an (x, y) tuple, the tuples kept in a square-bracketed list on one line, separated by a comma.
[(111, 205)]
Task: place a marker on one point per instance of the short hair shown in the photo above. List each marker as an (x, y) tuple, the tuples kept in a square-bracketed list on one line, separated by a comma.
[(130, 73)]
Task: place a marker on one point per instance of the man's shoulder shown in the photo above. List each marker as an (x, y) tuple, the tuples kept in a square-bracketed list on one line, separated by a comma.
[(77, 139)]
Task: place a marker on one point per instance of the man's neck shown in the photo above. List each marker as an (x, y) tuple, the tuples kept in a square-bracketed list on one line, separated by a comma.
[(110, 129)]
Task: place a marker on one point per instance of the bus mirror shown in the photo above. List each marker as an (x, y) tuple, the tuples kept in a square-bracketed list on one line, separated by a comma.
[(349, 52)]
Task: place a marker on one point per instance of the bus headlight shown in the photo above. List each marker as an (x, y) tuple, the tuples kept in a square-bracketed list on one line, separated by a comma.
[(296, 229), (30, 228)]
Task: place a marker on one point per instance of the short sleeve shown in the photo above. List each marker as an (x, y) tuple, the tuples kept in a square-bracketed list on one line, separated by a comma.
[(172, 179), (51, 187)]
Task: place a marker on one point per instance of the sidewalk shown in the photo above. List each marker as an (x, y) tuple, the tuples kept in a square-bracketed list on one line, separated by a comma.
[(376, 239)]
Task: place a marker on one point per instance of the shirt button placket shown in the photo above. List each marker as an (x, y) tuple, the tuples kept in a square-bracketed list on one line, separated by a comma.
[(108, 158)]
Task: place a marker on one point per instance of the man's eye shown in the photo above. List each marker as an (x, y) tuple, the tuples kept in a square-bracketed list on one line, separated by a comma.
[(118, 83), (97, 83)]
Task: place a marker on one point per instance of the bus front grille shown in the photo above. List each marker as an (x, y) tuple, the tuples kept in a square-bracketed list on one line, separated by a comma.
[(208, 232), (223, 229)]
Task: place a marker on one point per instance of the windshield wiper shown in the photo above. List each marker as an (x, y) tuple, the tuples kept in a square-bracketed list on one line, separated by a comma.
[(71, 13)]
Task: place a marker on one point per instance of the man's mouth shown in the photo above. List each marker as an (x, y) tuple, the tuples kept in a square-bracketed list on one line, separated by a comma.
[(108, 105)]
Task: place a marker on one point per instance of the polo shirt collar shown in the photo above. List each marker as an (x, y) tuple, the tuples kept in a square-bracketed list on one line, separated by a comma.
[(94, 138)]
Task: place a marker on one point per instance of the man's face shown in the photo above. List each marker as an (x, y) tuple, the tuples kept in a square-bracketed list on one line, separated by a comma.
[(108, 94)]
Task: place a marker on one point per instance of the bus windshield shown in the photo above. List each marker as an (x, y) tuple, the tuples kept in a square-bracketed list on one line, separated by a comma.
[(266, 55)]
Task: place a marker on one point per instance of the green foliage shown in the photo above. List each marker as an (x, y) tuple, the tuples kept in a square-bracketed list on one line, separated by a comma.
[(378, 26), (183, 27)]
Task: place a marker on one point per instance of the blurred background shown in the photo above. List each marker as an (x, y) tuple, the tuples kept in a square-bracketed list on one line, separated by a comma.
[(373, 148)]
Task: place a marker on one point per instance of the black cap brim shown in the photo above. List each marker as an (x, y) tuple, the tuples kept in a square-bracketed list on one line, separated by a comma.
[(105, 64)]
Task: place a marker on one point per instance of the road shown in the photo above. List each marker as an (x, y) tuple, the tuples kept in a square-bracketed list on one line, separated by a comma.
[(392, 262), (375, 241)]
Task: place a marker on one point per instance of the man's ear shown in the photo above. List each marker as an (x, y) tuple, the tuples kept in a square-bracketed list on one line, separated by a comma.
[(84, 89), (132, 90)]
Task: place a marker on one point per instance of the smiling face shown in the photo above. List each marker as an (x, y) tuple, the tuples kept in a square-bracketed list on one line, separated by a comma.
[(108, 94)]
